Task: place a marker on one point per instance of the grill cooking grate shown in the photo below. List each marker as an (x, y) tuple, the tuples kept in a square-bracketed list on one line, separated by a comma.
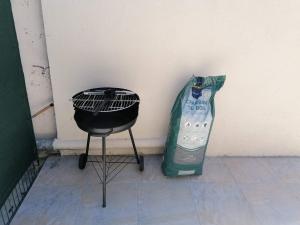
[(98, 101)]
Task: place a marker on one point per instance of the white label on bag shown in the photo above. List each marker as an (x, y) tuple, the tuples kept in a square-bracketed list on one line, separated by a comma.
[(195, 121)]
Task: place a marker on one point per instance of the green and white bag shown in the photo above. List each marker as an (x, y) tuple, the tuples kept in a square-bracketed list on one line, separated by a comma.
[(191, 122)]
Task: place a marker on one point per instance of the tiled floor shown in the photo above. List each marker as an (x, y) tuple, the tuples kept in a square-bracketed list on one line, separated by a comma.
[(232, 191)]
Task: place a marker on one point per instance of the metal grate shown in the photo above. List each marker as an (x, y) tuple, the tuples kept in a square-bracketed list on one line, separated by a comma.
[(17, 195), (97, 101)]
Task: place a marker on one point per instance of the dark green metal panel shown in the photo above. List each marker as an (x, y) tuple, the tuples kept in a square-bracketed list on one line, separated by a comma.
[(17, 143)]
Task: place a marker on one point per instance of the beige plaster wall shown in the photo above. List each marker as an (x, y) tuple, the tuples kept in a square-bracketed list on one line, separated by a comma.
[(153, 47)]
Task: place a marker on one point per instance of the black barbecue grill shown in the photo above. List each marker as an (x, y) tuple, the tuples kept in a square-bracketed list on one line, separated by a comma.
[(101, 112)]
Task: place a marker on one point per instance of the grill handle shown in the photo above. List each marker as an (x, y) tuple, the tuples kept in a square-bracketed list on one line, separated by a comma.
[(109, 95), (103, 92)]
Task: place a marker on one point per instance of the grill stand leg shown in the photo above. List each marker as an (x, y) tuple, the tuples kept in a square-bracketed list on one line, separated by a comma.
[(83, 158), (134, 148), (105, 178), (87, 145), (103, 146), (104, 172)]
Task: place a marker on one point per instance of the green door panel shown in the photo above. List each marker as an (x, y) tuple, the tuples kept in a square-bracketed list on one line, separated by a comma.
[(17, 142)]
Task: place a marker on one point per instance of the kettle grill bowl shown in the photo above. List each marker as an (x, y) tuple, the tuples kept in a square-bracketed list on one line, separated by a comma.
[(90, 121)]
